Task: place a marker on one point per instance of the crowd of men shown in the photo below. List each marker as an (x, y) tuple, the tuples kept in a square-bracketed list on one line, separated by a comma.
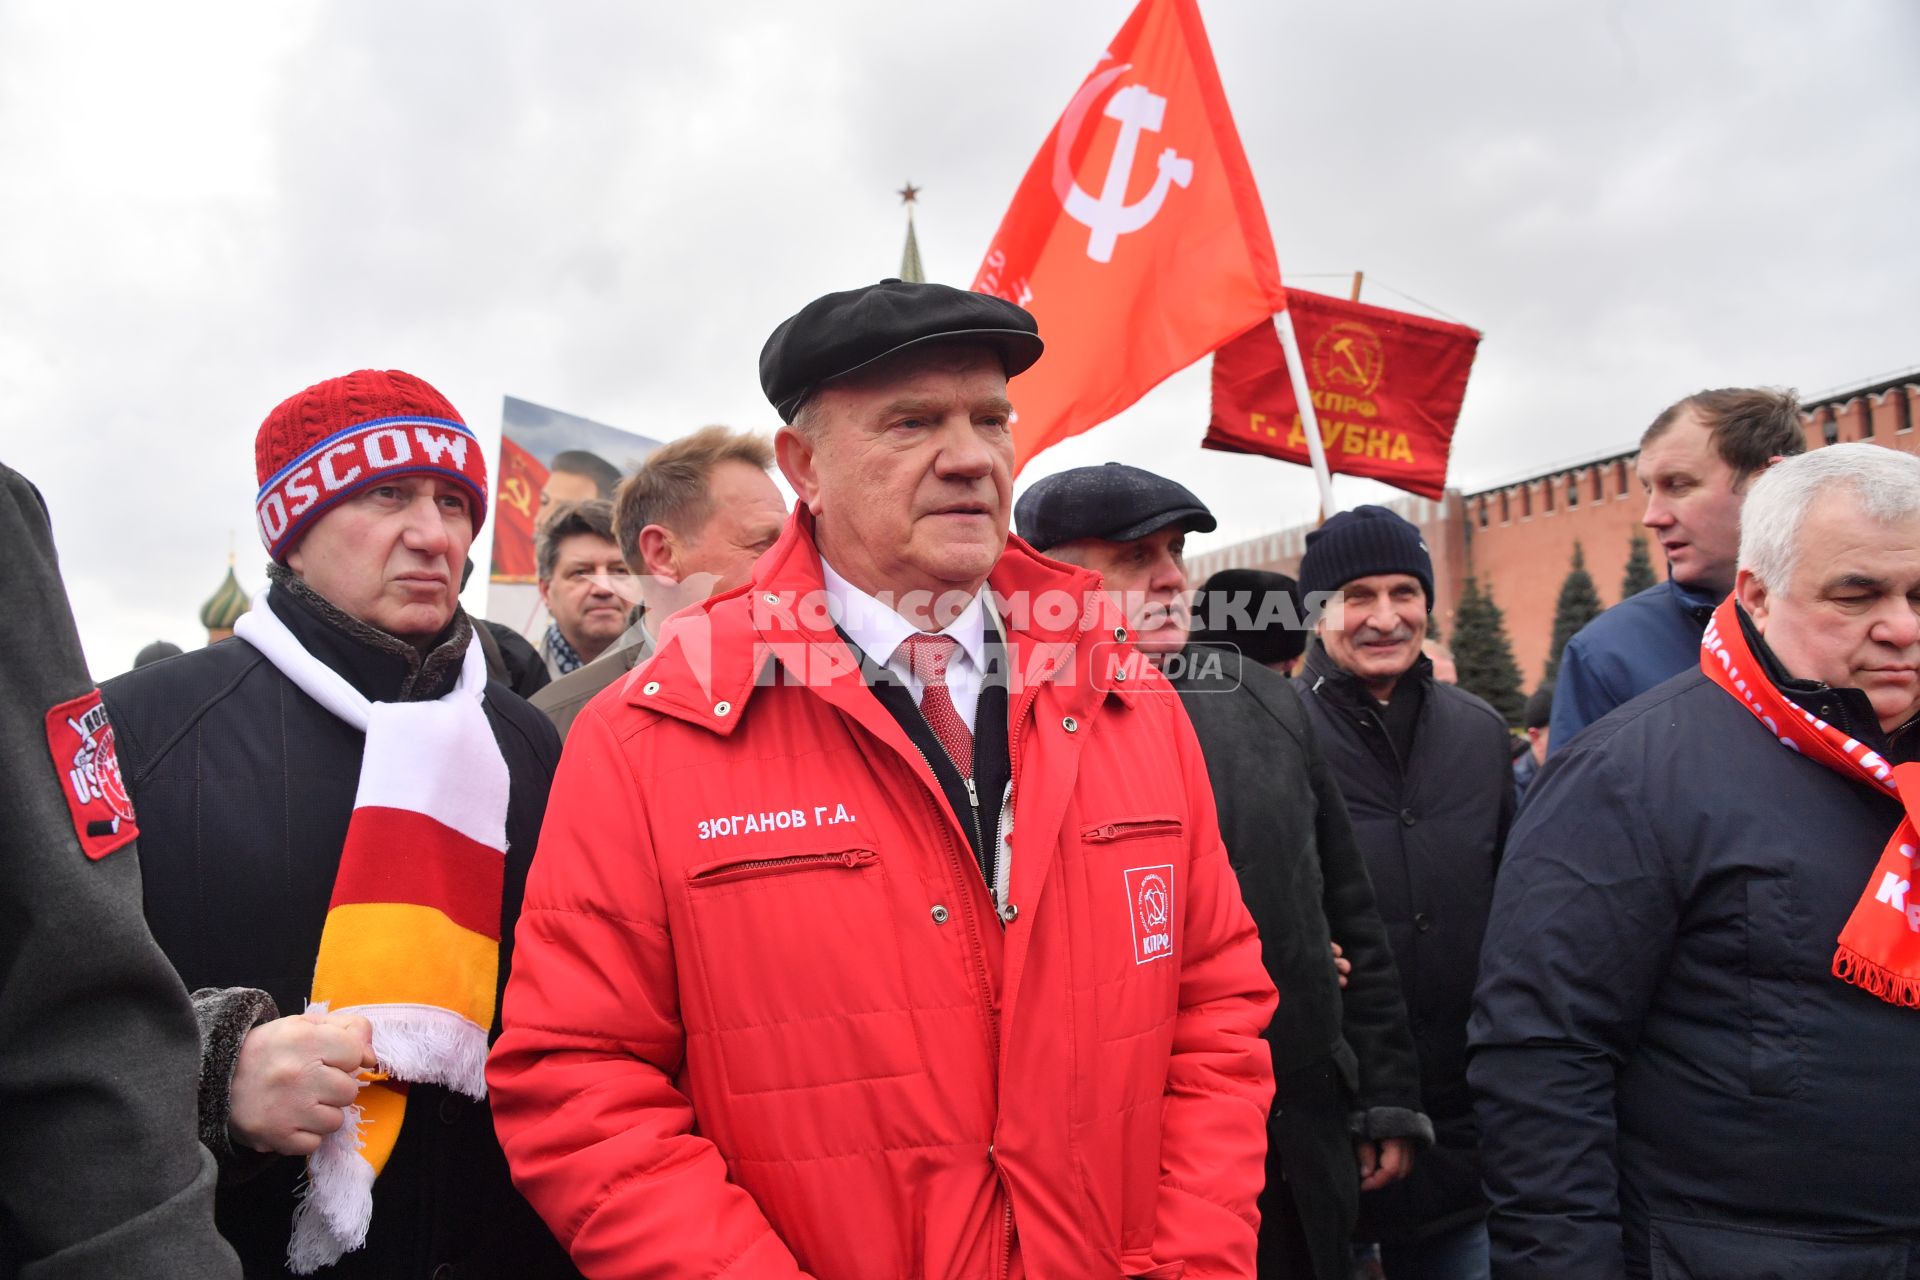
[(911, 899)]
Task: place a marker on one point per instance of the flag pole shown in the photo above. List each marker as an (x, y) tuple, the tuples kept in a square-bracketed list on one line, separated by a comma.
[(1309, 421)]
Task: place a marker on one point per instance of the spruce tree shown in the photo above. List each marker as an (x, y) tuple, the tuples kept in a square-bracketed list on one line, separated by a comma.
[(1639, 568), (1579, 604), (1484, 655)]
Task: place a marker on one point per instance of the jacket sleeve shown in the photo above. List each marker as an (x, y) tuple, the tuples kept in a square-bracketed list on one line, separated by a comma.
[(1220, 1078), (1581, 695), (100, 1172), (1584, 915), (582, 1078), (1373, 1012)]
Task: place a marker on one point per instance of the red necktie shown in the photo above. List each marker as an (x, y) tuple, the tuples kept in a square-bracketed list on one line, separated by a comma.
[(928, 656)]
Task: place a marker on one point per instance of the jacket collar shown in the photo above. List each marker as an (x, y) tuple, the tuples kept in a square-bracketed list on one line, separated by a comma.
[(1334, 682), (1695, 602), (1848, 710), (380, 665), (713, 655)]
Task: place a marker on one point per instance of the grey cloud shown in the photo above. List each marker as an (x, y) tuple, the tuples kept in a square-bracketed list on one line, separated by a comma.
[(605, 207)]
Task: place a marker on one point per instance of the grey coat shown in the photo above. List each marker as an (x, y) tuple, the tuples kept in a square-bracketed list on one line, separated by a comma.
[(100, 1173)]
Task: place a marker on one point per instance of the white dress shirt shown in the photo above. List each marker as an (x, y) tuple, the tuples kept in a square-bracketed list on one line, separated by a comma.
[(882, 634)]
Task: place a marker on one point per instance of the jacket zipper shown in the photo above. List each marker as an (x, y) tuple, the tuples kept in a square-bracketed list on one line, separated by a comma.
[(1006, 1224), (1006, 819), (973, 805), (851, 858), (1013, 759), (961, 871), (1133, 830), (986, 985), (1380, 727)]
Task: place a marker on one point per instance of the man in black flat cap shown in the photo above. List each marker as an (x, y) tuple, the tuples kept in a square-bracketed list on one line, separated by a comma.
[(1347, 1103), (879, 927)]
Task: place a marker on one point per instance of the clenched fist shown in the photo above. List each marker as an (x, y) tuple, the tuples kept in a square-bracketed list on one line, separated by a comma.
[(295, 1078)]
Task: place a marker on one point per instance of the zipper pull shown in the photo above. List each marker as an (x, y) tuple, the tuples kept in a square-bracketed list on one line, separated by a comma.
[(973, 796)]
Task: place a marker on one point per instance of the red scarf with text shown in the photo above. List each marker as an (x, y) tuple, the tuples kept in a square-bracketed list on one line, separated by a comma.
[(1879, 949)]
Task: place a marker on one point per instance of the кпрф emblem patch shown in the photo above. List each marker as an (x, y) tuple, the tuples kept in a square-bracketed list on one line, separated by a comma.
[(1150, 900)]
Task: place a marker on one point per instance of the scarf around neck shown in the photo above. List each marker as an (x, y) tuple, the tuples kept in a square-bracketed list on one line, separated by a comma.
[(566, 658), (412, 935), (1879, 949)]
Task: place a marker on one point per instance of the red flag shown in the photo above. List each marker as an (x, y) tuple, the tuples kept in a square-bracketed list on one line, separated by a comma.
[(1387, 387), (1137, 238), (516, 500)]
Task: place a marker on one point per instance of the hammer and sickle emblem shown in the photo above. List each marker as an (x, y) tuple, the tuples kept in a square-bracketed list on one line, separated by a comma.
[(1349, 354), (518, 494), (1109, 217), (1357, 372), (1153, 902)]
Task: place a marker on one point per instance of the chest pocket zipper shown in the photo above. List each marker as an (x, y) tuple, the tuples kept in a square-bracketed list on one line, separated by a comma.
[(1132, 829), (755, 868)]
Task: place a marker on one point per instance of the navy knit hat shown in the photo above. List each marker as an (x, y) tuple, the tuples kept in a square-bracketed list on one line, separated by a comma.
[(1360, 543)]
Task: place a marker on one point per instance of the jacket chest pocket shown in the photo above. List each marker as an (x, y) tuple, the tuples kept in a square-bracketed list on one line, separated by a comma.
[(1134, 869), (801, 971)]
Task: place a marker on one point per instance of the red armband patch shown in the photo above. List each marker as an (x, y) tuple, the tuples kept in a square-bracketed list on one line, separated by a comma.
[(81, 740)]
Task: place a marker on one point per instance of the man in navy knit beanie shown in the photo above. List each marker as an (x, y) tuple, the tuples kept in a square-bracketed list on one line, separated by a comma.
[(1424, 769)]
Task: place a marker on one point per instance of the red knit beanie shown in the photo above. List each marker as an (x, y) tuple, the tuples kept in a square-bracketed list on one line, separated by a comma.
[(339, 436)]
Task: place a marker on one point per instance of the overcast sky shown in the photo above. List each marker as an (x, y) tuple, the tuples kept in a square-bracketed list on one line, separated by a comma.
[(606, 207)]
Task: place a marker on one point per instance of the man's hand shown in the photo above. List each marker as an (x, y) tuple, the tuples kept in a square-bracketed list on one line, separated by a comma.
[(294, 1079), (1341, 965), (1383, 1163)]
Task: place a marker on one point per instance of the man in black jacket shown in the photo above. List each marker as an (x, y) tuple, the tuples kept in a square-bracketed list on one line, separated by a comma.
[(1695, 1033), (1347, 1103), (1424, 769), (246, 769), (101, 1176)]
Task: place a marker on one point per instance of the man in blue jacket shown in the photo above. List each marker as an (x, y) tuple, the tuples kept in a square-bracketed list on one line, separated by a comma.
[(1693, 1040), (1696, 462)]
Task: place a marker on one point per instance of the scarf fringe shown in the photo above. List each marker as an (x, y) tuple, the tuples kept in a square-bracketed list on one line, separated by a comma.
[(336, 1202), (423, 1044), (1876, 979)]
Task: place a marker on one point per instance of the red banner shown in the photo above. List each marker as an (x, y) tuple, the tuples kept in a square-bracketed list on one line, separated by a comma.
[(1136, 238), (1386, 386), (516, 501)]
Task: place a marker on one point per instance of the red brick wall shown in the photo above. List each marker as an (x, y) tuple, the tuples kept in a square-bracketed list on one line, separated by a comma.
[(1525, 558)]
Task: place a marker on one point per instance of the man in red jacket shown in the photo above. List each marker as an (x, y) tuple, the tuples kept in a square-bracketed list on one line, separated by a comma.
[(881, 926)]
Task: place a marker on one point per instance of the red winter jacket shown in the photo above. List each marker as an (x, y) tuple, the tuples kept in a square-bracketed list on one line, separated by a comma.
[(764, 1021)]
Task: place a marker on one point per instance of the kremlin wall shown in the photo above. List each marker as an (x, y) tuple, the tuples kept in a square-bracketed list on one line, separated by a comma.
[(1518, 538)]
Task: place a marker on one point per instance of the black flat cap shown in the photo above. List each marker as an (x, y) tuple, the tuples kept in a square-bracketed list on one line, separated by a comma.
[(832, 336), (1115, 502)]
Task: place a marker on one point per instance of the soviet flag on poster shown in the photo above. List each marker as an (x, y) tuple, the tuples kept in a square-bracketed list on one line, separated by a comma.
[(1387, 387), (548, 459), (1136, 238), (515, 502)]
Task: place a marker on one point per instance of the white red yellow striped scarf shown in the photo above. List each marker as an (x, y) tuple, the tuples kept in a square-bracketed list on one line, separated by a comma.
[(412, 936)]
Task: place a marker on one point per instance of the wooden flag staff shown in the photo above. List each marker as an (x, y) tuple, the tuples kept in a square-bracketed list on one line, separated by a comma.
[(1309, 420)]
